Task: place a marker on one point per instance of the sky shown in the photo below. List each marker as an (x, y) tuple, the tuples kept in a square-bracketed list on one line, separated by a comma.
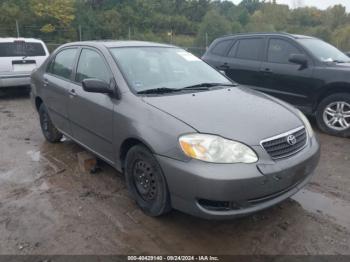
[(321, 4)]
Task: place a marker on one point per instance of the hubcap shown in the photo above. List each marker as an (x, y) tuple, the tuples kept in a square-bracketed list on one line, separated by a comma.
[(144, 180), (337, 116)]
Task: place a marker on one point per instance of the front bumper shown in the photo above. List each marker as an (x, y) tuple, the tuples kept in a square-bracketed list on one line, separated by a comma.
[(14, 80), (215, 191)]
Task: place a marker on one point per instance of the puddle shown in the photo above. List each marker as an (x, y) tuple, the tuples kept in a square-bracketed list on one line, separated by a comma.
[(35, 155), (338, 210)]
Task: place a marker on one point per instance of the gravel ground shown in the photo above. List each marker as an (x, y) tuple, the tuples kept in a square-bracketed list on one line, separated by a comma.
[(47, 206)]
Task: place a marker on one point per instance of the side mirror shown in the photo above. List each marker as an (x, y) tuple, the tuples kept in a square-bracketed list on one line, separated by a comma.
[(97, 86), (298, 59)]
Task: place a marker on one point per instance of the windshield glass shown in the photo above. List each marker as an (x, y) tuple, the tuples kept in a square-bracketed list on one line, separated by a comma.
[(21, 48), (160, 67), (324, 51)]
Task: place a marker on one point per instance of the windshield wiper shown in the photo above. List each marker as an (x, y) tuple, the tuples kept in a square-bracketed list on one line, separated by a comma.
[(206, 86), (159, 90), (202, 86)]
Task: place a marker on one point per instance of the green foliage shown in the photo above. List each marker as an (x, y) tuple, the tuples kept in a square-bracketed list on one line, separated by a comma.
[(213, 26), (182, 22), (341, 37)]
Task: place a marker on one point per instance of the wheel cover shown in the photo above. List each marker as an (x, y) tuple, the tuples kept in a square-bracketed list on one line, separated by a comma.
[(337, 116), (145, 180)]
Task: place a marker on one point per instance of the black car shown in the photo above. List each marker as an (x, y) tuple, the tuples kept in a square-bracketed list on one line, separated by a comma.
[(304, 71)]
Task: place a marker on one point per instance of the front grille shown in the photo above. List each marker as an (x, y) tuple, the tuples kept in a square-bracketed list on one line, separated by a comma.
[(284, 145)]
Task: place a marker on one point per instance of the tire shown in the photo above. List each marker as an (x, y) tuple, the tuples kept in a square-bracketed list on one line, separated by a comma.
[(49, 130), (146, 182), (333, 115)]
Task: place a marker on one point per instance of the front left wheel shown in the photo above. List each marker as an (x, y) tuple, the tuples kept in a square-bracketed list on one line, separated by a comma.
[(146, 182)]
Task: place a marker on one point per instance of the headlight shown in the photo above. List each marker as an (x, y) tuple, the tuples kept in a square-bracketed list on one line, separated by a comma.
[(306, 123), (216, 149)]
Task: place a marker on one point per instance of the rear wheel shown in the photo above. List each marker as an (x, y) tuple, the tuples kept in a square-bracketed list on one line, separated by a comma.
[(333, 115), (49, 130), (146, 182)]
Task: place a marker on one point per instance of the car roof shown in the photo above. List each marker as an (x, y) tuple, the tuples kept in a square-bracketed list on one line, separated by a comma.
[(294, 36), (115, 43), (12, 39)]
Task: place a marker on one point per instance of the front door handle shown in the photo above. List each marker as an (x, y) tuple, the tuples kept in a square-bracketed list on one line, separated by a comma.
[(72, 92), (46, 82), (266, 71)]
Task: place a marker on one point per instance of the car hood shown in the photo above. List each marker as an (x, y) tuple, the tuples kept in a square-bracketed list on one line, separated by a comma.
[(237, 113)]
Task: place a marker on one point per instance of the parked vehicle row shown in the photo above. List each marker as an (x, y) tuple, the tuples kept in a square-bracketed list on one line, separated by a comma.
[(183, 134), (18, 58), (304, 71)]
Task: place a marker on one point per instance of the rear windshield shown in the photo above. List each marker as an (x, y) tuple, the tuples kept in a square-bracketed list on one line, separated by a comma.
[(21, 49)]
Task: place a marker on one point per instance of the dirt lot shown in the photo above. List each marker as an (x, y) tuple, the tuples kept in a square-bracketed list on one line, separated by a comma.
[(47, 206)]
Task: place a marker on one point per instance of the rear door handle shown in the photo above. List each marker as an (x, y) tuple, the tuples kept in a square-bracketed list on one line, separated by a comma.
[(72, 92)]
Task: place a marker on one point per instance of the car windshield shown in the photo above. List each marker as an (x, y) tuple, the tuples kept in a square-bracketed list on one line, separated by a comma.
[(147, 68), (21, 48), (324, 51)]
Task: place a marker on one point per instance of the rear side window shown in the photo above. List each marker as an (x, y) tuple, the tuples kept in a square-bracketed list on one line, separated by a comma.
[(63, 64), (249, 49), (222, 47), (21, 48), (233, 50), (92, 65), (280, 50)]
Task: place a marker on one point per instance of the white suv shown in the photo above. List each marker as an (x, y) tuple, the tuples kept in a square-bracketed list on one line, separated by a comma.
[(18, 58)]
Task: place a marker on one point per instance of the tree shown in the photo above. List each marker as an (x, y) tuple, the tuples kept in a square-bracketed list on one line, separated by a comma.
[(341, 38), (335, 16), (251, 5), (213, 26), (54, 13)]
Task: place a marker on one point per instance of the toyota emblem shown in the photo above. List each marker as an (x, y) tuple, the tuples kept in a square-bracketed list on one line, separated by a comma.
[(292, 140)]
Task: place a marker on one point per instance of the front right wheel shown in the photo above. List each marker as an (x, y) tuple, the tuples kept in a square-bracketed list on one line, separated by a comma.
[(333, 115), (146, 182)]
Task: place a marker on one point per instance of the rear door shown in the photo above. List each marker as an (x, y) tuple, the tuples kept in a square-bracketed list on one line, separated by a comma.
[(20, 57), (283, 79), (244, 61), (216, 55), (91, 114), (57, 82)]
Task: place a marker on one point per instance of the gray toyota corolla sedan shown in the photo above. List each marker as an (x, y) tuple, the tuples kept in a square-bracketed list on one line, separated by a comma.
[(184, 135)]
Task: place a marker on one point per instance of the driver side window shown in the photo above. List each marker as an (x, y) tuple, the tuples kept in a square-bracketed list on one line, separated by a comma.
[(92, 65), (280, 50)]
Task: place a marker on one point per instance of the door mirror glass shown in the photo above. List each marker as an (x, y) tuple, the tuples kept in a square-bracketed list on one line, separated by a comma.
[(94, 85), (298, 59)]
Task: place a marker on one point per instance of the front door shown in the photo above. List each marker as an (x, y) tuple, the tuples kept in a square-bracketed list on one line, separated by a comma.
[(91, 114), (287, 81)]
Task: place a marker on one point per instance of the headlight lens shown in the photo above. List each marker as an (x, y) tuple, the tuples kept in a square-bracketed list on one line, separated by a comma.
[(215, 149), (306, 124)]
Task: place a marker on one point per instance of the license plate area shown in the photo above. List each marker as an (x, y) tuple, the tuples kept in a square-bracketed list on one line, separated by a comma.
[(23, 65)]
